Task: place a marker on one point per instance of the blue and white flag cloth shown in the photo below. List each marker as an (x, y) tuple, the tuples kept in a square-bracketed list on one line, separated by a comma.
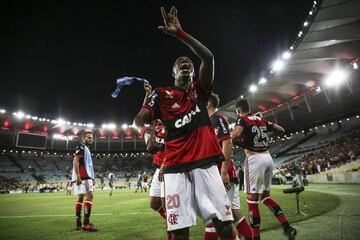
[(125, 81)]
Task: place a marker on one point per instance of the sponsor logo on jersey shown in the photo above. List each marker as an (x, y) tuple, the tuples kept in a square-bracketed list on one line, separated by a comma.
[(187, 118)]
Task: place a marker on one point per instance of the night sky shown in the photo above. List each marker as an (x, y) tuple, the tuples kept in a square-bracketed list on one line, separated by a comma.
[(61, 58)]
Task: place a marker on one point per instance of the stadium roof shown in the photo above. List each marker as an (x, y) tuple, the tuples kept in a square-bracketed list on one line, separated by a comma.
[(303, 94)]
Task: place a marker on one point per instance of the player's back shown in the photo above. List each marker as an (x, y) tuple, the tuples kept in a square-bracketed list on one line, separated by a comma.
[(255, 134)]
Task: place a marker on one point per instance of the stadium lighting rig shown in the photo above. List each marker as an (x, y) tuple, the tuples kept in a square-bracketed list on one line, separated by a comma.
[(336, 78), (280, 62), (253, 88)]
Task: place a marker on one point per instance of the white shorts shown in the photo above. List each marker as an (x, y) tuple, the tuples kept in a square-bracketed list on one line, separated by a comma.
[(258, 173), (144, 185), (69, 189), (85, 187), (157, 188), (233, 195), (204, 195)]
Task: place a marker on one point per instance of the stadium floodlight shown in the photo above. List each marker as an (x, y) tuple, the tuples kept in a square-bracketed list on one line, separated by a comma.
[(124, 126), (19, 114), (90, 125), (68, 123), (2, 111), (80, 124), (348, 119), (74, 124), (253, 88), (111, 126), (354, 65), (335, 78), (262, 80), (286, 55), (278, 65), (104, 125), (28, 116), (306, 23), (323, 125), (310, 13), (300, 33), (60, 122), (34, 118), (332, 123), (357, 116)]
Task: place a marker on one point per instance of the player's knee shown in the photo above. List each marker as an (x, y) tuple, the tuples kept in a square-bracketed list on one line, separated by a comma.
[(89, 196), (236, 214), (180, 234)]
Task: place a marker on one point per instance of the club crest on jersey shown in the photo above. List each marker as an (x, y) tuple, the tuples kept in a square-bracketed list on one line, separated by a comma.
[(187, 118), (173, 218), (169, 94)]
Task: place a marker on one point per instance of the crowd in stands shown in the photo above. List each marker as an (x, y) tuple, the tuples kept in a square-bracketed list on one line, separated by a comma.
[(339, 152)]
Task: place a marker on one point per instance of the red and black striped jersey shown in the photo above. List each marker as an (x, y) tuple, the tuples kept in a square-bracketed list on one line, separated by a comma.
[(255, 134), (190, 141), (222, 132), (79, 152)]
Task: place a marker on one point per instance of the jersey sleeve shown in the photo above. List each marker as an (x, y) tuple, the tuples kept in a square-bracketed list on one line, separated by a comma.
[(79, 151), (240, 122), (153, 104), (221, 127)]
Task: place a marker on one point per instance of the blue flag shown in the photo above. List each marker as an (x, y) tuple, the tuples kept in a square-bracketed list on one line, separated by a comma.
[(125, 81)]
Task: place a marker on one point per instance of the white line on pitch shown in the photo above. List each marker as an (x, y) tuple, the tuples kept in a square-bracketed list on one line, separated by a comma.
[(41, 216)]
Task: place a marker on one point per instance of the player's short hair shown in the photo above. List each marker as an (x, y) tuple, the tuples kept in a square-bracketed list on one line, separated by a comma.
[(214, 100), (86, 132), (243, 105)]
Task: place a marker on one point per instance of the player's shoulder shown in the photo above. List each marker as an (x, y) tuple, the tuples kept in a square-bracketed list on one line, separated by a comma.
[(81, 146)]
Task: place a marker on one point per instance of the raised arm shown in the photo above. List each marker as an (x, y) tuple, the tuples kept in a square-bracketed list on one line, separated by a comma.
[(172, 27)]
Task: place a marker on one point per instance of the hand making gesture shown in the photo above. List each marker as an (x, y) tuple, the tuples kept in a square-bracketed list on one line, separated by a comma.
[(171, 22)]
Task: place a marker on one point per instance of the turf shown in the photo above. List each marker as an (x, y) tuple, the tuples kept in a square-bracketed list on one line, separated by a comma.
[(125, 215)]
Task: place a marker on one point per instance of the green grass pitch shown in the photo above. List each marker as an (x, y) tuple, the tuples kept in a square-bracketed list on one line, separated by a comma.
[(125, 215)]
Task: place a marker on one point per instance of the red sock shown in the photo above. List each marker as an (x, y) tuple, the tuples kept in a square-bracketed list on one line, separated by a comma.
[(243, 228), (162, 212), (78, 207), (210, 232), (169, 236), (254, 217), (87, 211), (275, 208)]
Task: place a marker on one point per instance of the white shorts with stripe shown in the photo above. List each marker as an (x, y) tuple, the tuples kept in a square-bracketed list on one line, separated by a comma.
[(258, 173), (204, 195), (85, 187), (157, 188), (233, 195)]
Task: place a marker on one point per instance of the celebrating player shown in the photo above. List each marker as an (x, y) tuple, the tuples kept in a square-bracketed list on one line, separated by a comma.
[(83, 175), (192, 181), (228, 172), (252, 132)]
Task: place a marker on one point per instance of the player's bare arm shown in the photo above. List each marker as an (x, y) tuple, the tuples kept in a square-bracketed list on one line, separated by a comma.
[(227, 151), (280, 130), (236, 132), (76, 168), (148, 89), (172, 27)]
